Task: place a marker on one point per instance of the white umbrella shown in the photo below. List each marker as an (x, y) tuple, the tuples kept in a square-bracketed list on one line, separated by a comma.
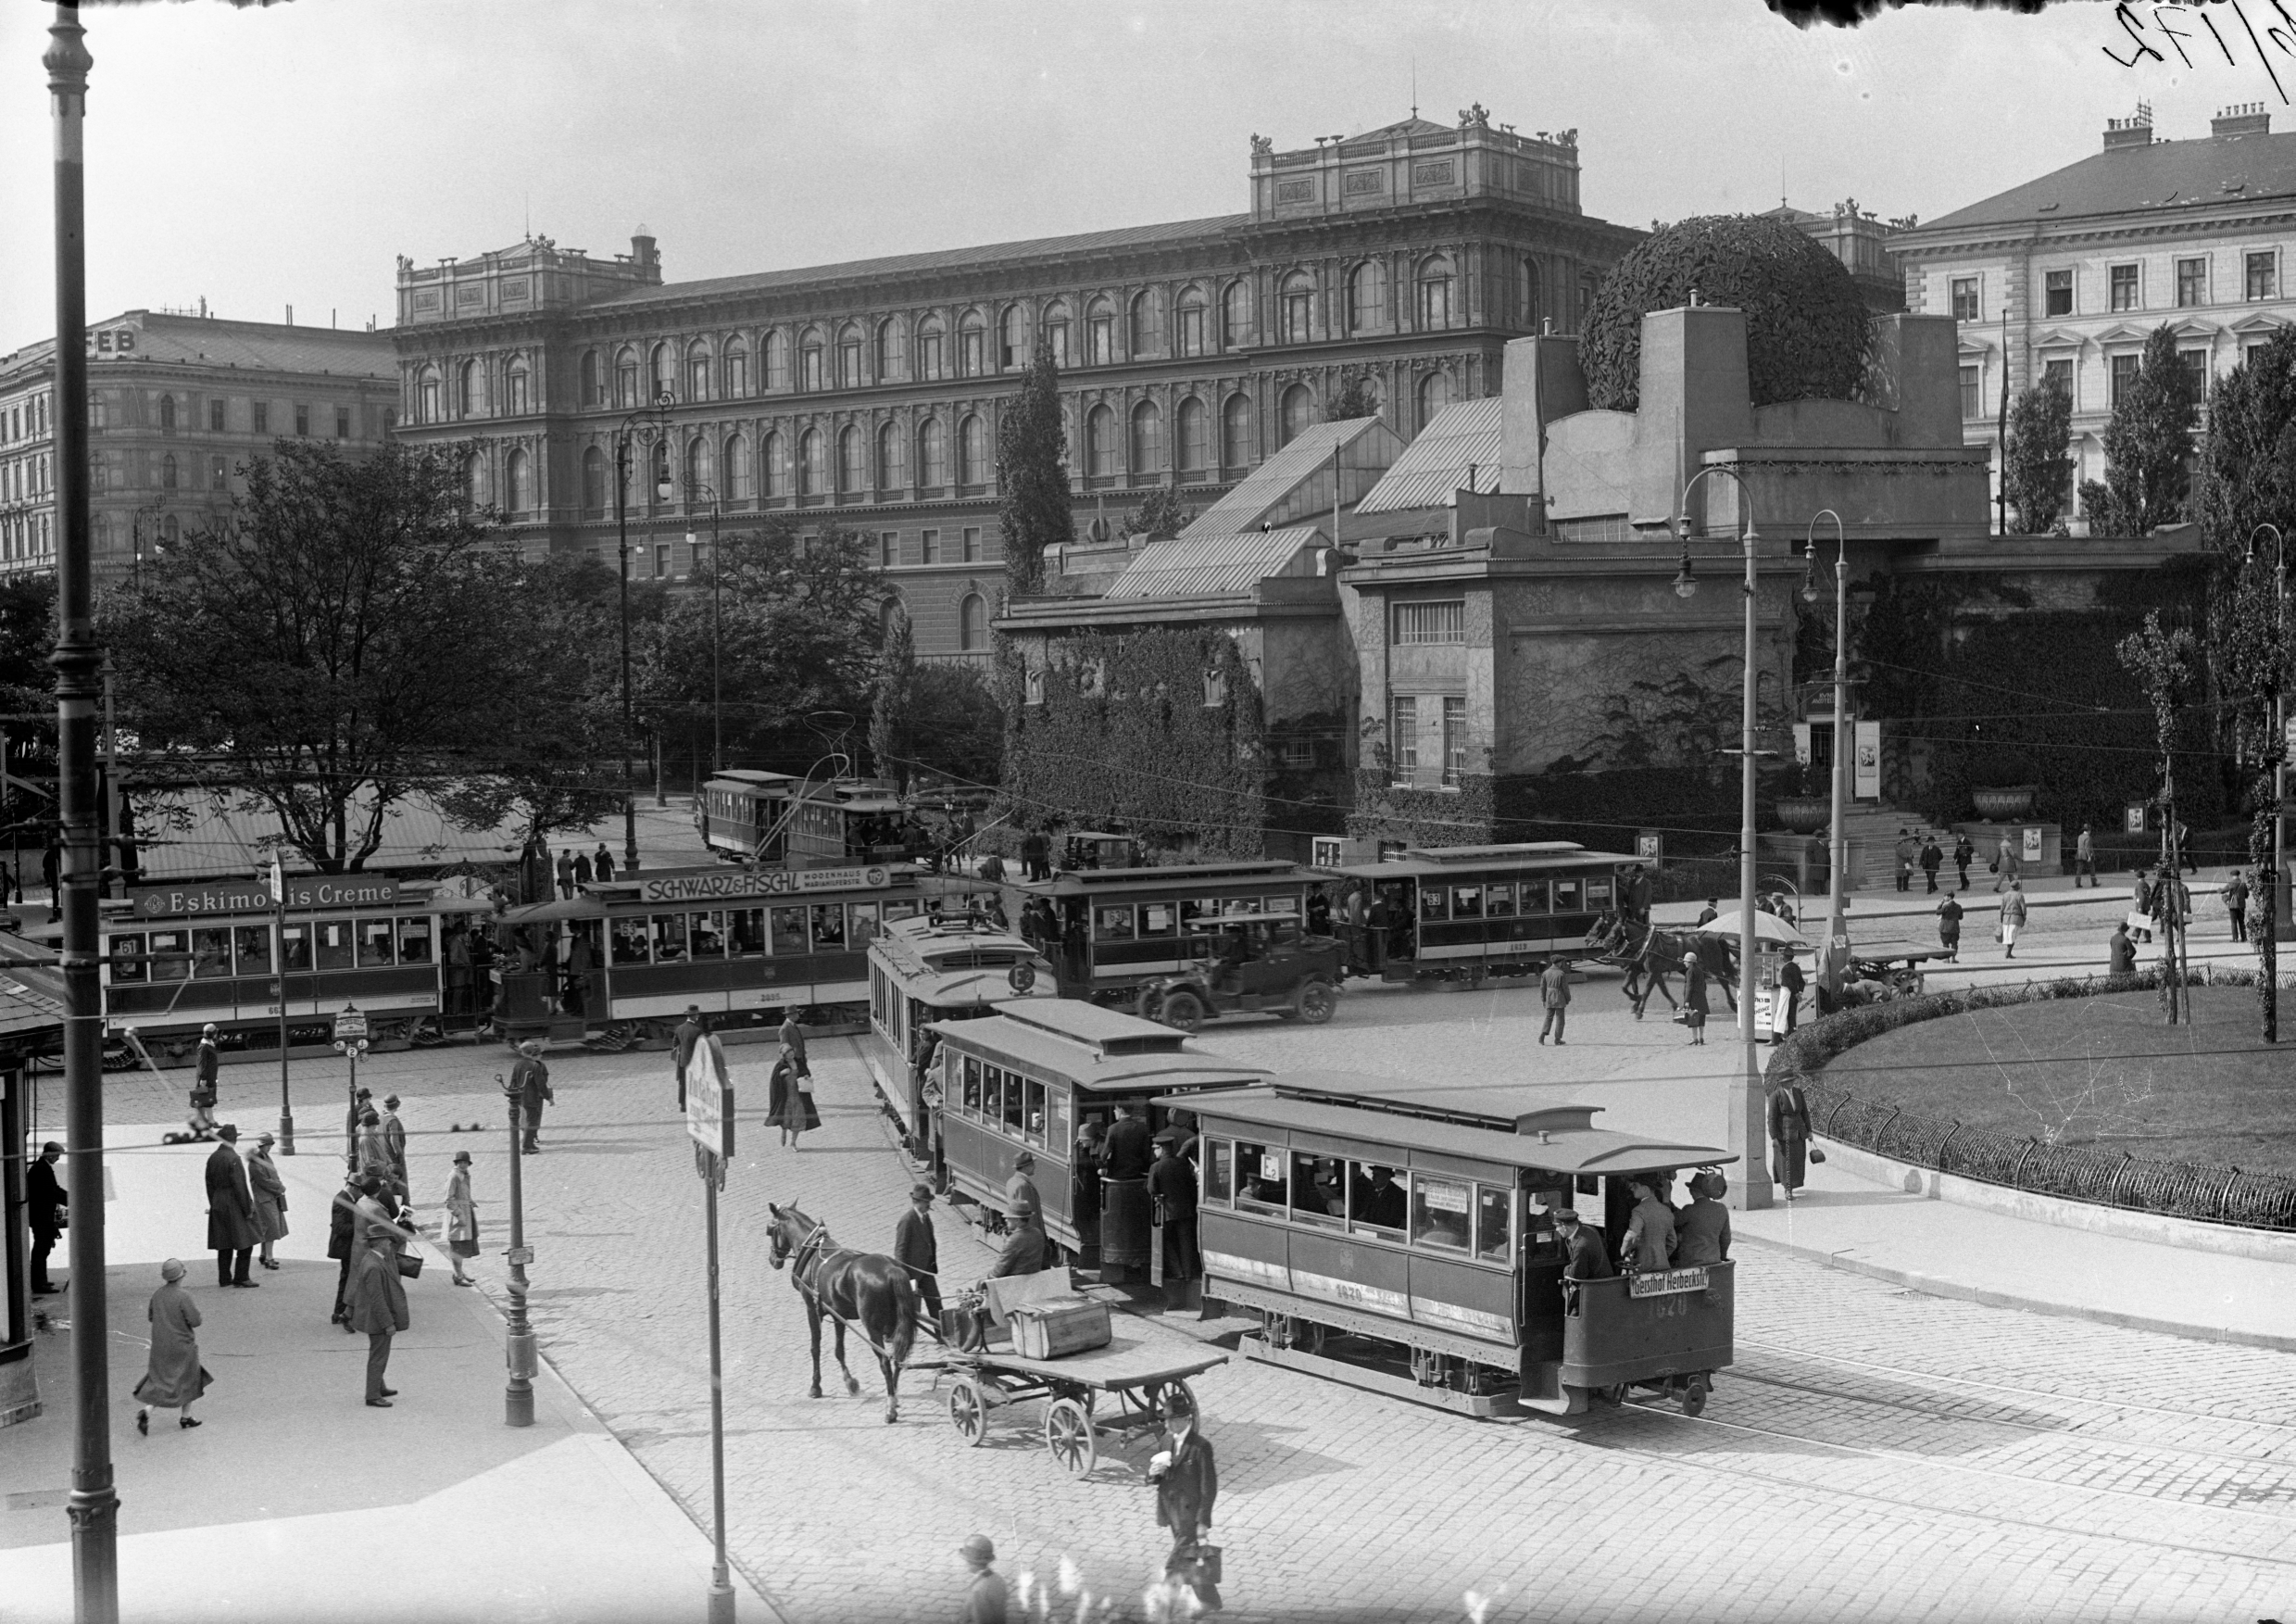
[(1768, 928)]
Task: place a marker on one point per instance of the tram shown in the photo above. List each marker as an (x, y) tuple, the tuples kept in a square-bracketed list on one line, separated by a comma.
[(1109, 932), (926, 970), (1030, 1075), (745, 816), (1397, 1235), (1470, 913)]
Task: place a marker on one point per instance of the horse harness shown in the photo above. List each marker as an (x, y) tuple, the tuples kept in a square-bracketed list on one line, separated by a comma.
[(805, 1266)]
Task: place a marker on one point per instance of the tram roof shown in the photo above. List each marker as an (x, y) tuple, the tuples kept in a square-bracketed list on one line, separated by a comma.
[(1099, 881), (1571, 1146), (1093, 1047), (1455, 860), (1502, 1106)]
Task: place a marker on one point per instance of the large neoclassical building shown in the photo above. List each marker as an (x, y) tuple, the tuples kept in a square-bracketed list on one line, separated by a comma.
[(866, 395)]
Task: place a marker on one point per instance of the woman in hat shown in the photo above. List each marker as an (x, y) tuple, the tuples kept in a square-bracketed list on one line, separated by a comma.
[(270, 1198), (174, 1378), (1694, 997), (461, 1224)]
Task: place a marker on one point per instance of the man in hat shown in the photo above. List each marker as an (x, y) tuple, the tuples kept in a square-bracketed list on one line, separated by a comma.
[(984, 1600), (1024, 1248), (1022, 1186), (1188, 1482), (1554, 991), (916, 1249), (532, 1080), (232, 1234), (1702, 1231), (46, 1204), (378, 1305), (1585, 1256), (1172, 1197), (343, 1229), (395, 1140), (204, 1085), (690, 1033)]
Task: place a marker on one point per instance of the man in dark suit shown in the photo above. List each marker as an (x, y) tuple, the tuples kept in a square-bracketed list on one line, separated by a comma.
[(1789, 1135), (1188, 1482), (1585, 1258), (231, 1212), (342, 1237), (45, 1201), (690, 1031), (531, 1079), (916, 1249), (1172, 1193)]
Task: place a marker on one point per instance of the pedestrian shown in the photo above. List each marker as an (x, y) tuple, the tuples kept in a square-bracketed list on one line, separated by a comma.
[(917, 1250), (359, 1102), (1932, 860), (2186, 857), (2004, 863), (690, 1032), (460, 1224), (566, 876), (1649, 1245), (374, 1151), (2013, 918), (2120, 952), (342, 1239), (985, 1598), (173, 1377), (582, 869), (790, 1105), (2084, 859), (231, 1211), (378, 1306), (1948, 927), (532, 1086), (1554, 991), (204, 1067), (1187, 1483), (1789, 1135), (395, 1140), (1694, 998), (1964, 853), (48, 1206), (1712, 912), (2141, 895), (2234, 894), (602, 865), (1790, 983), (1906, 850), (1171, 1205), (1022, 1186), (1702, 1228), (1024, 1250), (270, 1198)]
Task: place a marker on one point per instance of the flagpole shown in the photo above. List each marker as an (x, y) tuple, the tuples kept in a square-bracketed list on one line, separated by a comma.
[(2000, 429)]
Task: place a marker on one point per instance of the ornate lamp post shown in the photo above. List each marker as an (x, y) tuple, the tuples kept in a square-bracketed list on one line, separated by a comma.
[(1837, 857), (1747, 1128), (649, 425), (518, 1397), (701, 487)]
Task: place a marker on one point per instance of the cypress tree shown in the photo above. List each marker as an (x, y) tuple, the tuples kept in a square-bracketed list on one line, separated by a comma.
[(1032, 471)]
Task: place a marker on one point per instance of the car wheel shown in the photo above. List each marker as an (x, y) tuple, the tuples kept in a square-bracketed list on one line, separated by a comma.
[(1316, 1004), (1183, 1009)]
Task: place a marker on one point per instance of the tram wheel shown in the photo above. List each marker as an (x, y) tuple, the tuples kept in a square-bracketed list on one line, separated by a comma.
[(1694, 1395), (1183, 1009), (1068, 1433), (968, 1411)]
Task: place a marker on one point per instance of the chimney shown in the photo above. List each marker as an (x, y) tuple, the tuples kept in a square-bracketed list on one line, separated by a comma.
[(642, 247), (2134, 131), (2242, 118), (290, 315)]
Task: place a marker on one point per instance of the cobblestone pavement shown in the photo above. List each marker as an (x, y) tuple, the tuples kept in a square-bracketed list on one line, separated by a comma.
[(1875, 1453)]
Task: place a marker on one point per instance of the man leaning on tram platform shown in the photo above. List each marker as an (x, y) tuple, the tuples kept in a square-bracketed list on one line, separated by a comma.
[(1585, 1256)]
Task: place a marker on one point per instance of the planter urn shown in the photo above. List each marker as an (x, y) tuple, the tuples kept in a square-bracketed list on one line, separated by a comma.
[(2003, 802), (1805, 814)]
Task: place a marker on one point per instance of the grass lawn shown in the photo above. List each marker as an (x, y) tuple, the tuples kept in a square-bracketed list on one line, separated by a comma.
[(2107, 1071)]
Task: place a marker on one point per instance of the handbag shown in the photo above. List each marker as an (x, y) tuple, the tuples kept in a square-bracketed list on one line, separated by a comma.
[(410, 1266), (1207, 1564), (1994, 866), (1817, 1155)]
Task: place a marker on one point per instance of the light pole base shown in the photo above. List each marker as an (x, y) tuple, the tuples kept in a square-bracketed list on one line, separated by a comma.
[(286, 1133), (518, 1402), (720, 1599)]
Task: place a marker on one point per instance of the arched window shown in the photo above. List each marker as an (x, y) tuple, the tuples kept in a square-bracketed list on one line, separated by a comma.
[(892, 357), (1367, 297), (1236, 315), (812, 360), (1099, 334), (1298, 411), (1191, 318), (166, 414), (166, 470), (1434, 292), (661, 373), (1148, 438), (1056, 333), (593, 496), (518, 385), (1236, 432), (777, 359), (1100, 441), (1013, 346), (626, 378), (1195, 447), (1434, 394), (736, 367), (932, 454), (469, 398), (852, 469), (973, 345), (426, 400), (971, 622), (849, 358), (516, 495), (973, 451), (1527, 297), (698, 370), (1145, 334), (774, 455), (1297, 304), (170, 531), (932, 349), (701, 470), (892, 467), (813, 465), (741, 475)]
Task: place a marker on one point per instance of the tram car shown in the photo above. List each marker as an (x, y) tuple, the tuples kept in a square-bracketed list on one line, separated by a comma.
[(773, 819), (1029, 1076), (1398, 1237), (1108, 933), (1470, 913), (930, 969)]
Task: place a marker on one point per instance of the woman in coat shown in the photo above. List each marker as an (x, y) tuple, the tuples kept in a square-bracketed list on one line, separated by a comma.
[(461, 1224), (1694, 997), (174, 1378), (270, 1198)]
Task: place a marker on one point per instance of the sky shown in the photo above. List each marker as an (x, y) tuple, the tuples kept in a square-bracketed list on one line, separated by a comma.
[(285, 155)]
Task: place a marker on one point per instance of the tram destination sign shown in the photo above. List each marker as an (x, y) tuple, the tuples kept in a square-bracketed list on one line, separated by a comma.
[(712, 888), (1667, 1283), (254, 896)]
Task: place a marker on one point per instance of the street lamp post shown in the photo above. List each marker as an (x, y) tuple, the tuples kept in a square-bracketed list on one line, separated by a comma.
[(717, 575), (1837, 859), (649, 425), (518, 1397), (1747, 1128)]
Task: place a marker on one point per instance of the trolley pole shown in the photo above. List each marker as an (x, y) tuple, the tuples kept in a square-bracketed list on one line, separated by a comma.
[(518, 1397)]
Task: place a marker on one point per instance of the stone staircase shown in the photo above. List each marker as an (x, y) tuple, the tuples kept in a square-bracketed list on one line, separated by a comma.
[(1872, 832)]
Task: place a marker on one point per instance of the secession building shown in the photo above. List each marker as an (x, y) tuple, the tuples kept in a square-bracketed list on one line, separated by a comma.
[(177, 404), (866, 395)]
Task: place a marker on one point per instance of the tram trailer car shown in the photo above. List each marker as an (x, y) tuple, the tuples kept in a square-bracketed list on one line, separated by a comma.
[(745, 816), (1390, 1235), (1470, 913), (1110, 932), (922, 971), (1027, 1076)]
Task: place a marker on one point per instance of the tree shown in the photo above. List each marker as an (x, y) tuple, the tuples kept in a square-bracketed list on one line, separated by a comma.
[(2148, 446), (1807, 332), (1161, 512), (333, 641), (27, 697), (891, 742), (2247, 470), (1032, 471), (1358, 397), (956, 725), (2040, 427), (2163, 661)]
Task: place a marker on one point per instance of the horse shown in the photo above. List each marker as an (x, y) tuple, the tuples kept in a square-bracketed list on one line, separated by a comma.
[(866, 1287), (1657, 954)]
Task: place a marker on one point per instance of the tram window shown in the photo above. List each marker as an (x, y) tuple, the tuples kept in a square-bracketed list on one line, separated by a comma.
[(1258, 1178), (972, 1106), (1598, 895), (251, 950), (1467, 901), (1566, 897), (788, 930), (171, 955), (1493, 1222), (629, 941), (1318, 1195), (294, 947), (1219, 1171), (992, 1095), (864, 922), (1440, 1208), (1378, 1200), (211, 953), (414, 941), (828, 926), (1498, 902), (746, 927), (1534, 896), (905, 910), (334, 943), (1033, 1111), (1435, 903), (1195, 907), (374, 943), (1112, 924), (669, 933), (1016, 1104), (1057, 1131), (127, 961), (1159, 919), (708, 936)]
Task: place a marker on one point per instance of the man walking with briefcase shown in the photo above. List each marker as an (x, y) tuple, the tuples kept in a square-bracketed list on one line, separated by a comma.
[(1187, 1481)]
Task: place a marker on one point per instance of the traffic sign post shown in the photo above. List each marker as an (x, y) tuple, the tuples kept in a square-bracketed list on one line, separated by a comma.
[(710, 1121)]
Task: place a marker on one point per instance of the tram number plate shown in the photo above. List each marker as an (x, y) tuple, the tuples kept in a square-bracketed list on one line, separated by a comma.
[(1669, 1284)]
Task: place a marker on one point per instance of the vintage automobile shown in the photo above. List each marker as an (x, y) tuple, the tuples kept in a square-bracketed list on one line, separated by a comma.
[(1253, 963)]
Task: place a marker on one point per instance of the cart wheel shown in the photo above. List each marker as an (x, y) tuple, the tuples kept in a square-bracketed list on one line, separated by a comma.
[(1694, 1395), (1316, 1004), (1068, 1433), (968, 1411), (1183, 1009)]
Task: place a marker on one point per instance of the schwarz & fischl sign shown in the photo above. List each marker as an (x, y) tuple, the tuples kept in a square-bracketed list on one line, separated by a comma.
[(303, 891), (711, 887)]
